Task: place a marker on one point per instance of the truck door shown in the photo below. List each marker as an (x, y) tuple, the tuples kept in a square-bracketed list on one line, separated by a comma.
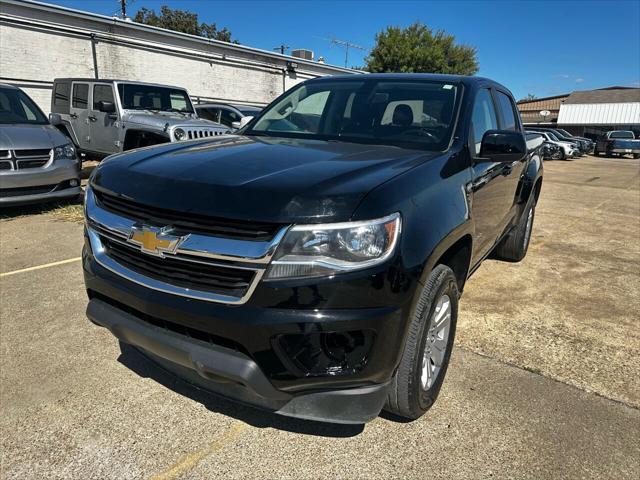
[(79, 114), (104, 126), (494, 184)]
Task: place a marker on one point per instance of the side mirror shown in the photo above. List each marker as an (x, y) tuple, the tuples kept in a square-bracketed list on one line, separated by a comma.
[(235, 125), (245, 120), (55, 119), (503, 146), (106, 107)]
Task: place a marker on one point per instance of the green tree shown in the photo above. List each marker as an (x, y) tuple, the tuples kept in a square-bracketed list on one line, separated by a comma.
[(529, 97), (182, 21), (418, 48)]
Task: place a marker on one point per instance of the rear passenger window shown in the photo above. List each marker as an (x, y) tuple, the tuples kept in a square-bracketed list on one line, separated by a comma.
[(61, 97), (506, 110), (102, 93), (80, 95), (484, 117)]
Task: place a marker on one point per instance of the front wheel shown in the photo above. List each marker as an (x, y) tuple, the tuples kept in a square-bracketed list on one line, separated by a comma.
[(416, 383)]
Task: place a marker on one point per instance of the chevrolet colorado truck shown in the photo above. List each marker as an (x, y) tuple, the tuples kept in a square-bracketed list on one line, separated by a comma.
[(618, 142), (311, 264)]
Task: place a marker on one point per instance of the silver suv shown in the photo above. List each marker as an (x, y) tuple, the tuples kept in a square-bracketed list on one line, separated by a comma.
[(37, 162), (108, 116)]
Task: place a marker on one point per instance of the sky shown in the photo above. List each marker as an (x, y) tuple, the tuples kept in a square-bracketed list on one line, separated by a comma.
[(542, 47)]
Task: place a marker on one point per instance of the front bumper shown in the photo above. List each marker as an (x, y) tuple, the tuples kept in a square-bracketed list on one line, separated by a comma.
[(20, 187), (233, 374), (235, 350)]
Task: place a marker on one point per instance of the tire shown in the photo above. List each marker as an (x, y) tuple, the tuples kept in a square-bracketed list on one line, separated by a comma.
[(513, 248), (410, 395), (636, 155), (596, 153)]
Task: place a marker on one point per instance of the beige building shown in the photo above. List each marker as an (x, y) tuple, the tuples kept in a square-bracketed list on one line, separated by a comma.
[(40, 42)]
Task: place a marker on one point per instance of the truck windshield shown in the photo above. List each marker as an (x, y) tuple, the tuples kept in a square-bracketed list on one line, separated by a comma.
[(150, 97), (407, 114), (626, 134), (17, 107)]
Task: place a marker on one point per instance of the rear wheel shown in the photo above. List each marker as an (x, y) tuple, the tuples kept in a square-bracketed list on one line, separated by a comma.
[(636, 155), (514, 246), (416, 383)]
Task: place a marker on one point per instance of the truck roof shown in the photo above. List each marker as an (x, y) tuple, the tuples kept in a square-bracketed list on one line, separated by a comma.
[(113, 80), (463, 79)]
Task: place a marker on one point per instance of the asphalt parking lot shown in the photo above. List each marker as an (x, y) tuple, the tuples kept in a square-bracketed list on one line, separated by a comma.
[(544, 381)]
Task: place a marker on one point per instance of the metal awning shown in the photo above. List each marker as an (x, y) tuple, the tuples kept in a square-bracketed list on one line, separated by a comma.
[(600, 114)]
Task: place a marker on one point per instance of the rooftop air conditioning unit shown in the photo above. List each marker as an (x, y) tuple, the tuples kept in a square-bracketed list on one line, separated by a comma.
[(300, 53)]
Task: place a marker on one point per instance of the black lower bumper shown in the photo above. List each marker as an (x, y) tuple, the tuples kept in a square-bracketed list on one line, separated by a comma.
[(232, 374)]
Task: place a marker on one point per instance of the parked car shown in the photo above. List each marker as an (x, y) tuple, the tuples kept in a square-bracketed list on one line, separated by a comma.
[(102, 117), (589, 143), (618, 142), (37, 162), (547, 150), (229, 115), (312, 263), (582, 146), (568, 150)]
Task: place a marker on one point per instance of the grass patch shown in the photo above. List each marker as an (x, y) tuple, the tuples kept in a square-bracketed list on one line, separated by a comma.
[(67, 211)]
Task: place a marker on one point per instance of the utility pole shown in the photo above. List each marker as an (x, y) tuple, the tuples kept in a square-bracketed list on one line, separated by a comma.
[(123, 9), (347, 45), (282, 48)]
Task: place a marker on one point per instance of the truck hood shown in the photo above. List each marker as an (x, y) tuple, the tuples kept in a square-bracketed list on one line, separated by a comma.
[(159, 120), (27, 137), (256, 178)]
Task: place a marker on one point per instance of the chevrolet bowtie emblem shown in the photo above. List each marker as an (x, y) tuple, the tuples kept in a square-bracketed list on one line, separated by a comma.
[(154, 240)]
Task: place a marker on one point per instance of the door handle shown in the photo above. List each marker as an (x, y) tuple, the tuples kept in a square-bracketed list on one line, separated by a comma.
[(73, 115), (92, 118)]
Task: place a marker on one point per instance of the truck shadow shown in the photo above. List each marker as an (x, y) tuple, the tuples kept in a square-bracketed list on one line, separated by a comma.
[(137, 362)]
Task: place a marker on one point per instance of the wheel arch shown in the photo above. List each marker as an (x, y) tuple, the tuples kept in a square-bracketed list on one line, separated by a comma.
[(133, 137)]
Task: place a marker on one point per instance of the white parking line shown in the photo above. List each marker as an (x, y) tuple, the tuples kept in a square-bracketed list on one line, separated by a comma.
[(38, 267)]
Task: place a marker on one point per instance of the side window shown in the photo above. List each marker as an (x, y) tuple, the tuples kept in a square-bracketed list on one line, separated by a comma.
[(483, 118), (228, 117), (506, 110), (28, 112), (102, 93), (80, 95), (61, 97)]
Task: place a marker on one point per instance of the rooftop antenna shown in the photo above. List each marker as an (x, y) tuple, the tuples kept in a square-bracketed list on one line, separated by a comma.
[(347, 45), (123, 9), (282, 48)]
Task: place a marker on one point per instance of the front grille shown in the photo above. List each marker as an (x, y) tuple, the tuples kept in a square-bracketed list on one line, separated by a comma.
[(4, 154), (18, 192), (5, 165), (42, 152), (187, 222), (37, 163), (192, 134), (186, 274)]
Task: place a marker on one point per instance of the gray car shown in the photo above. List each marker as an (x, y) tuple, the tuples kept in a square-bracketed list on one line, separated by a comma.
[(109, 116), (37, 162)]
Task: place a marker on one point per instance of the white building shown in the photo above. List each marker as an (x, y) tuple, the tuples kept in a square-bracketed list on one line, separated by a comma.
[(40, 42)]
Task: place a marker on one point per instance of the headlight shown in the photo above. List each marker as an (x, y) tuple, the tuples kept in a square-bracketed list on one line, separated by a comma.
[(321, 250), (67, 151), (179, 134)]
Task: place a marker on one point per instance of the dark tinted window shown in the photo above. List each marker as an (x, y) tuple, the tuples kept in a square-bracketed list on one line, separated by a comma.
[(61, 97), (228, 117), (80, 95), (506, 109), (102, 93), (17, 107), (484, 117), (212, 114)]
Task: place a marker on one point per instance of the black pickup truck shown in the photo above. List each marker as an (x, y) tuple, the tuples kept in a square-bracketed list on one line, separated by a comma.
[(311, 264)]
